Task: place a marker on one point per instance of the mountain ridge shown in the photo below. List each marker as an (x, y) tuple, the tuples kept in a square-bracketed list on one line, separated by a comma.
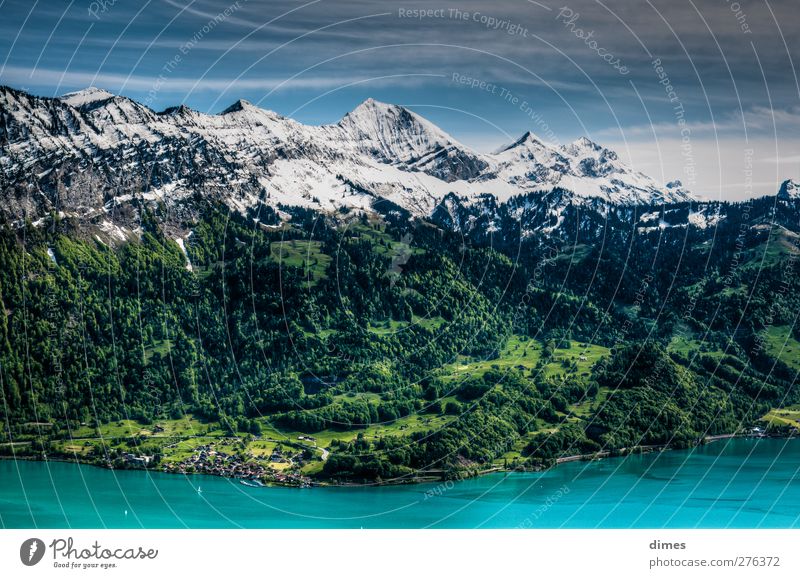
[(79, 151)]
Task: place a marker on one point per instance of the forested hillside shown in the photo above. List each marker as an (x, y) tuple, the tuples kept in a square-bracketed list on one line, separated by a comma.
[(384, 347)]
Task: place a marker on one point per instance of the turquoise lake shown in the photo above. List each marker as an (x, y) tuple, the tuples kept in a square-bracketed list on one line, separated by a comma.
[(742, 483)]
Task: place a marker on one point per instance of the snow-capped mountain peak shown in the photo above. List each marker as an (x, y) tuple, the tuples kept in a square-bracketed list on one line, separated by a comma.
[(240, 105), (180, 110), (790, 189), (527, 141), (397, 136), (585, 143), (86, 96), (244, 109), (396, 132), (520, 141), (584, 147)]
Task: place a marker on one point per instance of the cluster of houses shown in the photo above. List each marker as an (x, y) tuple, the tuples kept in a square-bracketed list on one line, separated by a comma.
[(208, 460)]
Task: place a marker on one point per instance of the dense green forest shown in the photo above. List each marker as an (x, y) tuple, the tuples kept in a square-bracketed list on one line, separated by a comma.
[(388, 348)]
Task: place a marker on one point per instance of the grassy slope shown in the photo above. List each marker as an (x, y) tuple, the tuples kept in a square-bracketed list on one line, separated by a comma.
[(305, 255), (524, 354), (779, 343)]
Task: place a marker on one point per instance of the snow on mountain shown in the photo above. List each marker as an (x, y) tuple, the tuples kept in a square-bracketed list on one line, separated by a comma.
[(85, 148), (529, 162), (789, 190), (583, 167), (597, 171), (402, 138), (85, 96), (705, 216)]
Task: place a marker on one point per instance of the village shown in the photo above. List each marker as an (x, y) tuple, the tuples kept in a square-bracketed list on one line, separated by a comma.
[(281, 466), (258, 470)]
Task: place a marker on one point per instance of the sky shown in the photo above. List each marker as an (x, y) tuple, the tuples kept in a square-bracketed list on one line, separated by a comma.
[(703, 91)]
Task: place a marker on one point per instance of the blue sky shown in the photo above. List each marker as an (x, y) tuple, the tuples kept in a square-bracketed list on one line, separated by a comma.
[(483, 71)]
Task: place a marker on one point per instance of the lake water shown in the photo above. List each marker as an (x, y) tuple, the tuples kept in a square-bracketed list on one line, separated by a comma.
[(742, 483)]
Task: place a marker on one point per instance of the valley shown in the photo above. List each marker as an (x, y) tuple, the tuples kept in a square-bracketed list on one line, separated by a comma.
[(370, 302)]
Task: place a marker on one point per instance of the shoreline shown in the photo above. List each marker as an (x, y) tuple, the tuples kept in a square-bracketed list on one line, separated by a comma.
[(526, 499), (421, 477), (646, 449)]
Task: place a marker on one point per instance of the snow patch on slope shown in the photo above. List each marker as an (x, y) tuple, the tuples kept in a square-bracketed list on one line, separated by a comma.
[(86, 96)]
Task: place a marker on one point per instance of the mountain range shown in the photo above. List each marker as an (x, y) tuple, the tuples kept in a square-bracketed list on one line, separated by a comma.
[(87, 151), (370, 300)]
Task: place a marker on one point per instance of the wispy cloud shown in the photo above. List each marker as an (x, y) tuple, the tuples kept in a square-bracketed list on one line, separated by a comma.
[(43, 77), (756, 120)]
